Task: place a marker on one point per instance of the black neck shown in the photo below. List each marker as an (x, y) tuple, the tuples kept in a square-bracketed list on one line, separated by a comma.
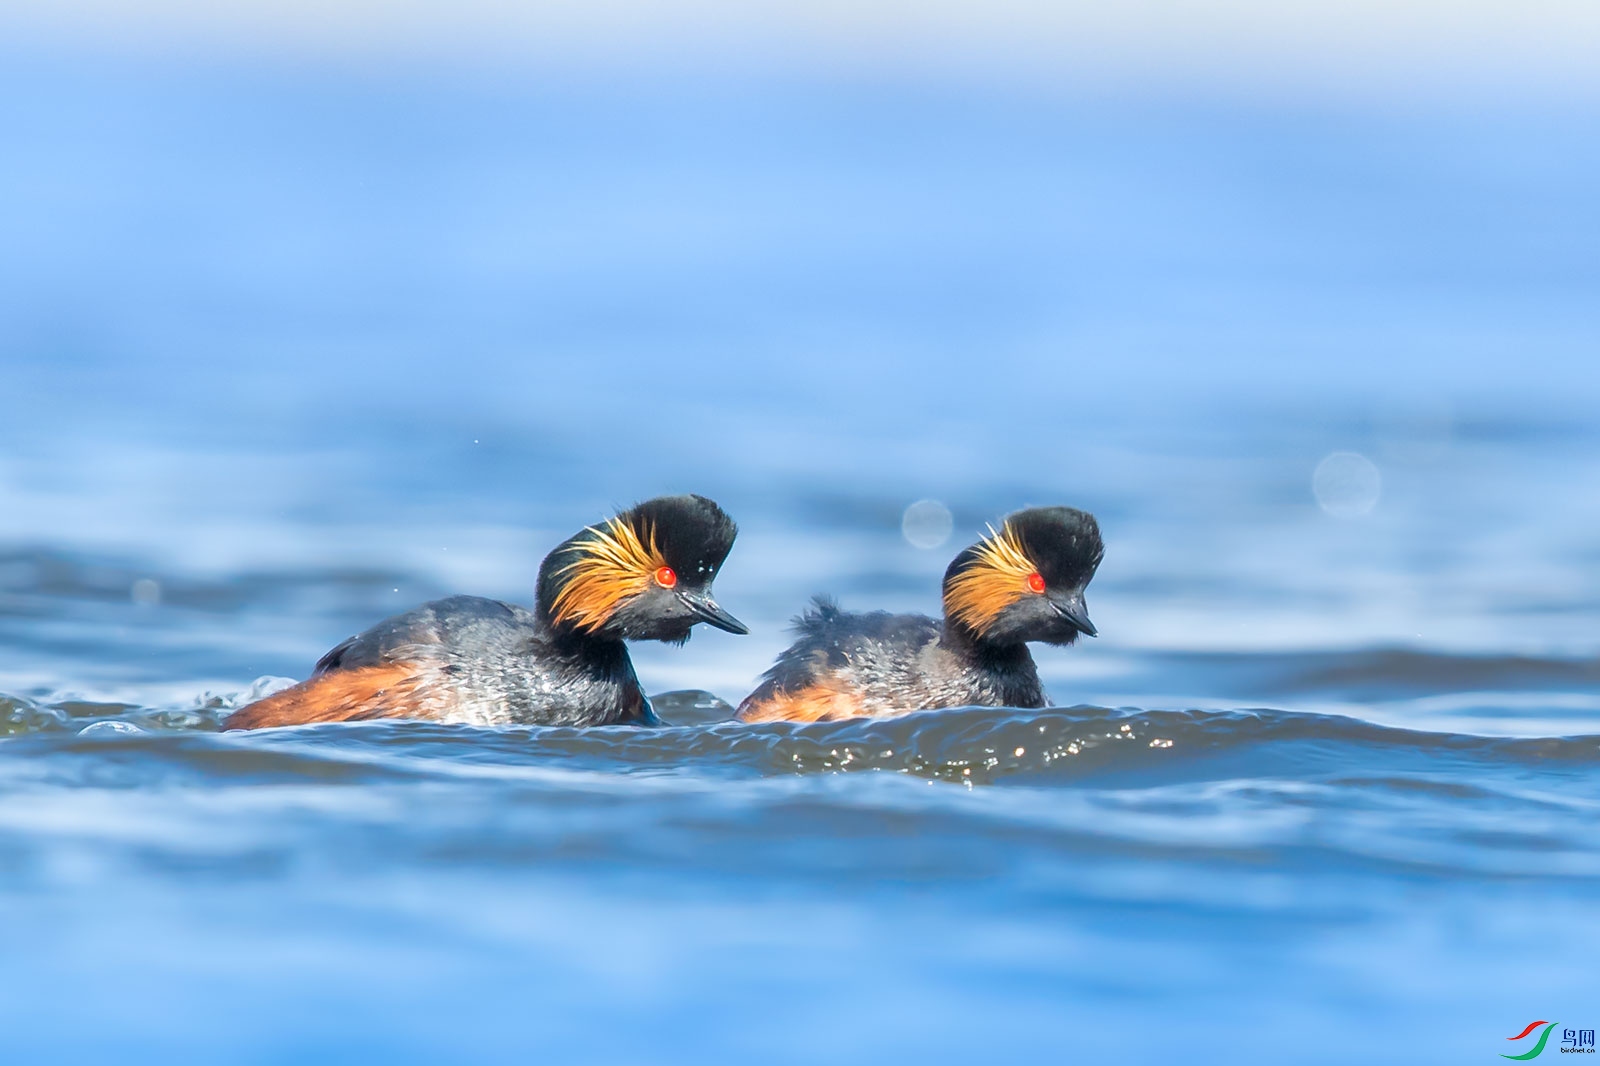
[(1007, 669), (602, 667), (972, 649), (581, 644)]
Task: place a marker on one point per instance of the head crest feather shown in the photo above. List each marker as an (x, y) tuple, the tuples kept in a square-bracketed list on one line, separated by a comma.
[(611, 563), (996, 578)]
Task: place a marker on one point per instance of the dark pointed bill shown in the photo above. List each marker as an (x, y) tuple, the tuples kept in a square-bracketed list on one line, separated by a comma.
[(706, 609), (1074, 610)]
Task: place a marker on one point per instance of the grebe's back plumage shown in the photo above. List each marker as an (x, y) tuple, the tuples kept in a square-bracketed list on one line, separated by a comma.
[(1024, 582), (644, 575), (849, 665)]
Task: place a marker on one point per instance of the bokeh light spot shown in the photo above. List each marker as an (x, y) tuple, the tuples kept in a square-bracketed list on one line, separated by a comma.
[(926, 524), (1347, 485)]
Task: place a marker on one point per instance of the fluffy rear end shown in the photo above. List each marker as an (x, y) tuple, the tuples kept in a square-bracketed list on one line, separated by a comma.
[(822, 701), (810, 682), (394, 690)]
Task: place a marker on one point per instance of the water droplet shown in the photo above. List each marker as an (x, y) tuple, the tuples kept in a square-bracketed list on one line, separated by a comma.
[(95, 729), (145, 592), (265, 686)]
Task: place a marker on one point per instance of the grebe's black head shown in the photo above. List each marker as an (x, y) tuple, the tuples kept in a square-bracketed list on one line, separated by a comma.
[(1026, 581), (644, 575)]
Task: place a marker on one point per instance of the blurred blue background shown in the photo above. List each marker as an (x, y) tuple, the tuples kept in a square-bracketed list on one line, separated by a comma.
[(312, 312)]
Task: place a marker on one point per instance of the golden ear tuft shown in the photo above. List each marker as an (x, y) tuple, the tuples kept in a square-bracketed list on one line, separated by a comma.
[(613, 564), (996, 579)]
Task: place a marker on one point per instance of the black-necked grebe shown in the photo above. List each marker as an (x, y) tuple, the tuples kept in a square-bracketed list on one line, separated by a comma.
[(1023, 583), (644, 575)]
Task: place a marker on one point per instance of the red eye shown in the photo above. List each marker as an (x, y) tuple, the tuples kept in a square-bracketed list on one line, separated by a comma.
[(666, 578), (1036, 581)]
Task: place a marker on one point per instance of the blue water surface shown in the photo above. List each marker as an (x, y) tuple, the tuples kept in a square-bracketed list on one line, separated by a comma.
[(287, 350)]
